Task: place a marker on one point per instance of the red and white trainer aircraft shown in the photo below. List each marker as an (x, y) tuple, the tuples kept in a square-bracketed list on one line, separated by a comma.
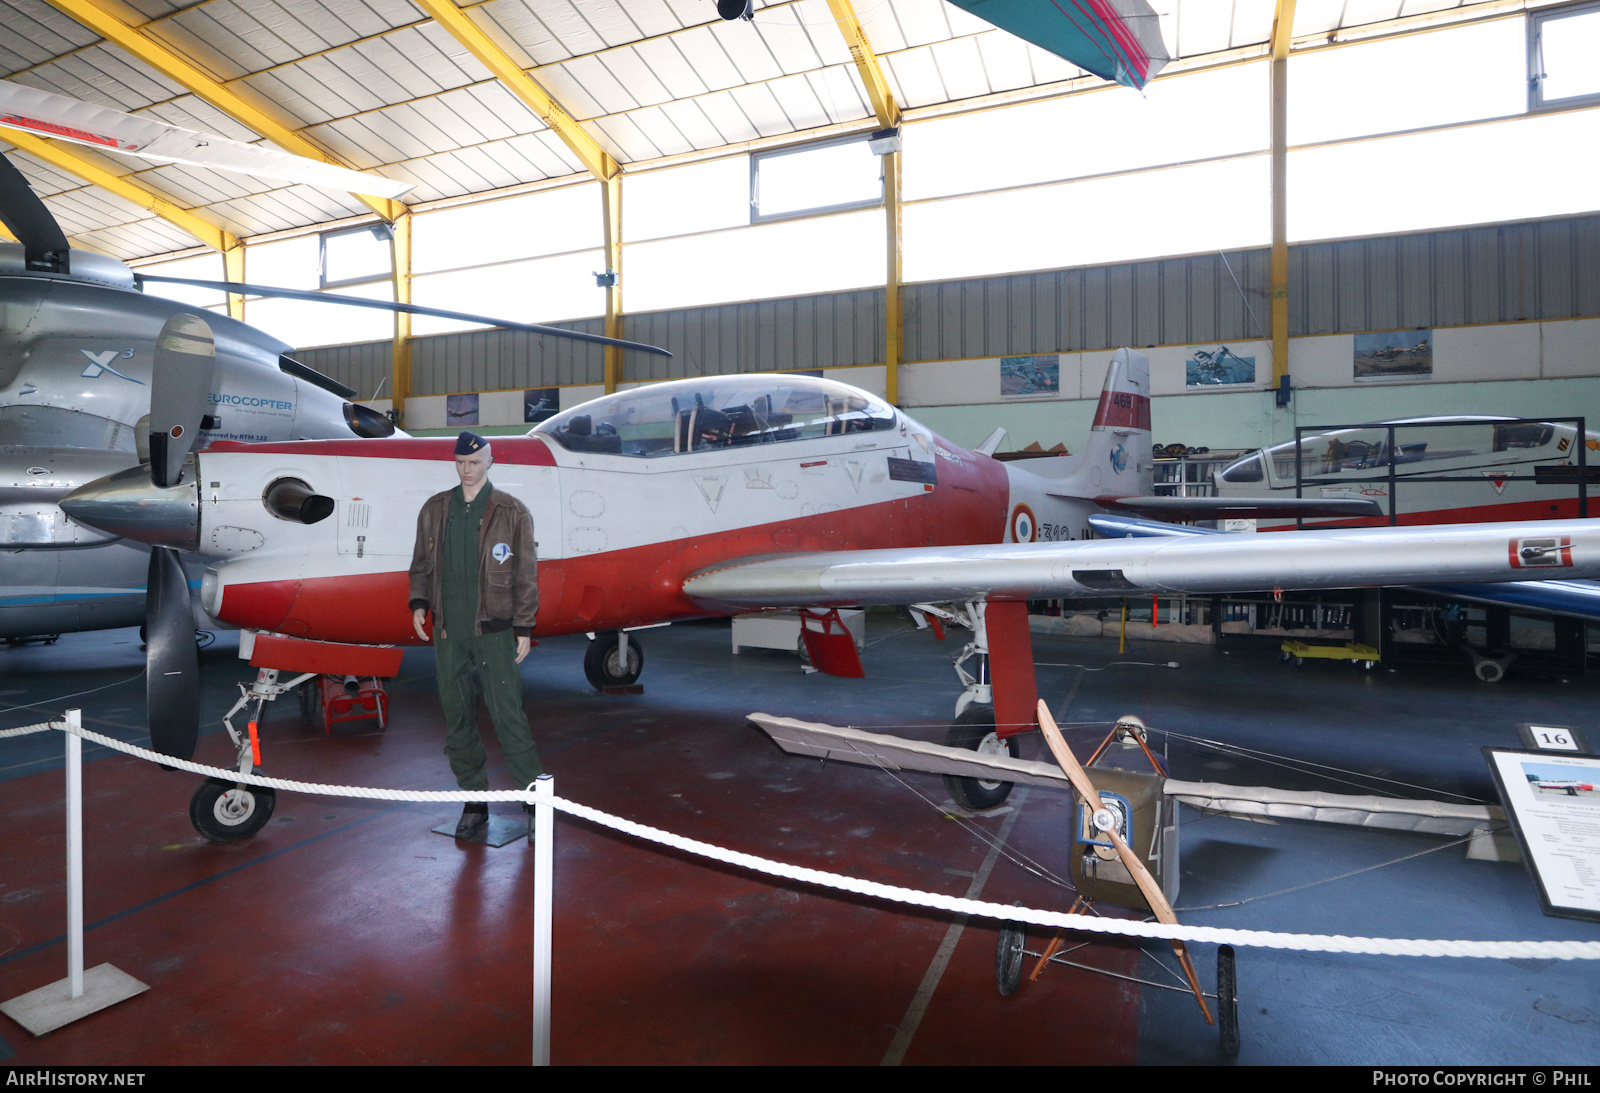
[(704, 497)]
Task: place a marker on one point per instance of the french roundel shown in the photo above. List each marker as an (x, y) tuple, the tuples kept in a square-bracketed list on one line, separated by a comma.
[(1023, 526)]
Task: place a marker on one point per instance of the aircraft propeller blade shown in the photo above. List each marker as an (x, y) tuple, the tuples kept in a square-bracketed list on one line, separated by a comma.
[(1135, 865), (24, 213), (409, 309), (180, 387), (172, 661)]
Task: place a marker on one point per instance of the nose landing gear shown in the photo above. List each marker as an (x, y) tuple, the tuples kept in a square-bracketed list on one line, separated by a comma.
[(230, 812)]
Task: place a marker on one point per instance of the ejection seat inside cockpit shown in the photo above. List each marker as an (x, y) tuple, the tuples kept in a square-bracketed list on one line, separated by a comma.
[(580, 435)]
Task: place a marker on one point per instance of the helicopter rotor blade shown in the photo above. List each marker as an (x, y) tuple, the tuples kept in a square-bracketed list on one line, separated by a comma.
[(24, 213), (172, 662), (409, 309), (180, 386)]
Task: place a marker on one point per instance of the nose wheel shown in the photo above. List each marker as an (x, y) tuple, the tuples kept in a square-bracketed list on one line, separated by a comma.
[(228, 812)]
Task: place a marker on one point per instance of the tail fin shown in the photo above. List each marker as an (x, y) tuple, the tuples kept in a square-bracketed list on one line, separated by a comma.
[(1116, 461)]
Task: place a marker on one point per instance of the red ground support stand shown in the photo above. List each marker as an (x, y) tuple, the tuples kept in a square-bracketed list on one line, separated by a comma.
[(370, 700)]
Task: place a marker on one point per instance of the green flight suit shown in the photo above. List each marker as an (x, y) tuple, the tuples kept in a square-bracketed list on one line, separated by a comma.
[(459, 653)]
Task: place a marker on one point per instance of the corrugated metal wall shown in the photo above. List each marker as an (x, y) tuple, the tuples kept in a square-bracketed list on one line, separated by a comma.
[(496, 360), (364, 366), (1547, 269), (833, 330), (1506, 273), (1179, 300)]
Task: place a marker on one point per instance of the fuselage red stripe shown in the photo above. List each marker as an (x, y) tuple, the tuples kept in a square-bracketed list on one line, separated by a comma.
[(524, 450), (638, 585)]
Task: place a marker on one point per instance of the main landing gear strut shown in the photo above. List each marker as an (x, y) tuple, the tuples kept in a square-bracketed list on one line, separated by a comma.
[(615, 658), (974, 724)]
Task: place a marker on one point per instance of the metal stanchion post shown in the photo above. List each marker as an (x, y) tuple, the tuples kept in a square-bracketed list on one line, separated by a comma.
[(75, 854), (544, 838), (78, 995)]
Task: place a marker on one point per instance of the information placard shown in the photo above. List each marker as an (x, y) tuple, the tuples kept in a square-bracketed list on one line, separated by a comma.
[(1553, 802)]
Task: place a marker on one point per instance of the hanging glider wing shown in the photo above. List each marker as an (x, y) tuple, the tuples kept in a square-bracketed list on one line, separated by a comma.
[(1115, 39), (28, 108)]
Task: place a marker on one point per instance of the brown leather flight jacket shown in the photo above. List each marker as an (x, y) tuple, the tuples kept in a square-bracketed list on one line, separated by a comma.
[(508, 588)]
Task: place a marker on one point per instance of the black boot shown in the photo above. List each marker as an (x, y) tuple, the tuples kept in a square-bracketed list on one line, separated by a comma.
[(474, 818)]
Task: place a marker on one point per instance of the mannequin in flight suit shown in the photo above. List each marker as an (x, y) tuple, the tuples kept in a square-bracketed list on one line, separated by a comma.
[(473, 567)]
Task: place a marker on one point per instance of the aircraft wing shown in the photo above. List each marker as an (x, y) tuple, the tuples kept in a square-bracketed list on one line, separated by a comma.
[(1246, 508), (1579, 599), (851, 745), (1201, 564)]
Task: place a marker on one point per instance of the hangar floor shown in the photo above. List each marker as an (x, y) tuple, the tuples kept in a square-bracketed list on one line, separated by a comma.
[(347, 933)]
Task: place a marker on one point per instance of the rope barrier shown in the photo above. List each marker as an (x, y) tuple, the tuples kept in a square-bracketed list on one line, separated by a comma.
[(43, 726), (1328, 943)]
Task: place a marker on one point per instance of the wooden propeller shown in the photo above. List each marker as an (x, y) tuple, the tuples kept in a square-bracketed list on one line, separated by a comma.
[(1136, 868)]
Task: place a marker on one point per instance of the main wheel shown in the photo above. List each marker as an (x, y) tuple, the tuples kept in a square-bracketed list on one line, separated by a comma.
[(974, 730), (226, 813), (1008, 958), (604, 666), (1227, 1001)]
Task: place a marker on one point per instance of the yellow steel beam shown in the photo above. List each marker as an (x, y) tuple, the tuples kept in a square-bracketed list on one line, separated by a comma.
[(53, 154), (867, 66), (5, 234), (449, 16), (163, 60), (611, 213), (894, 314), (1282, 28), (400, 376), (888, 112), (233, 270)]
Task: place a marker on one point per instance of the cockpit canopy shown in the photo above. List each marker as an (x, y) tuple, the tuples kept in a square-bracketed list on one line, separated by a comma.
[(1421, 446), (699, 415)]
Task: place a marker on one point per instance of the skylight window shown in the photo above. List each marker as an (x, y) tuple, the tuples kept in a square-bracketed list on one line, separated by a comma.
[(1563, 45), (815, 178), (355, 255)]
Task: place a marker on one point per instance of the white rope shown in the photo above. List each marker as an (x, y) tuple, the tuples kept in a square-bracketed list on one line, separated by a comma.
[(43, 726), (1328, 943)]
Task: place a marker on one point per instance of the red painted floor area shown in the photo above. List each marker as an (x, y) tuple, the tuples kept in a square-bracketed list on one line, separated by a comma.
[(348, 933)]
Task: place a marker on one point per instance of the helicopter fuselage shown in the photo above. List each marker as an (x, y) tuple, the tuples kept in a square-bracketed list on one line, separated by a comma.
[(76, 357)]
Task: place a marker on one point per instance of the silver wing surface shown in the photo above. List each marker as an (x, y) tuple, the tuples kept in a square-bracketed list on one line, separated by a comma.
[(1246, 508), (1342, 558), (1580, 599)]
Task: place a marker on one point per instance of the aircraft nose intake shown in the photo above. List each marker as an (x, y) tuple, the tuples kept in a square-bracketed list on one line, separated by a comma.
[(129, 504)]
